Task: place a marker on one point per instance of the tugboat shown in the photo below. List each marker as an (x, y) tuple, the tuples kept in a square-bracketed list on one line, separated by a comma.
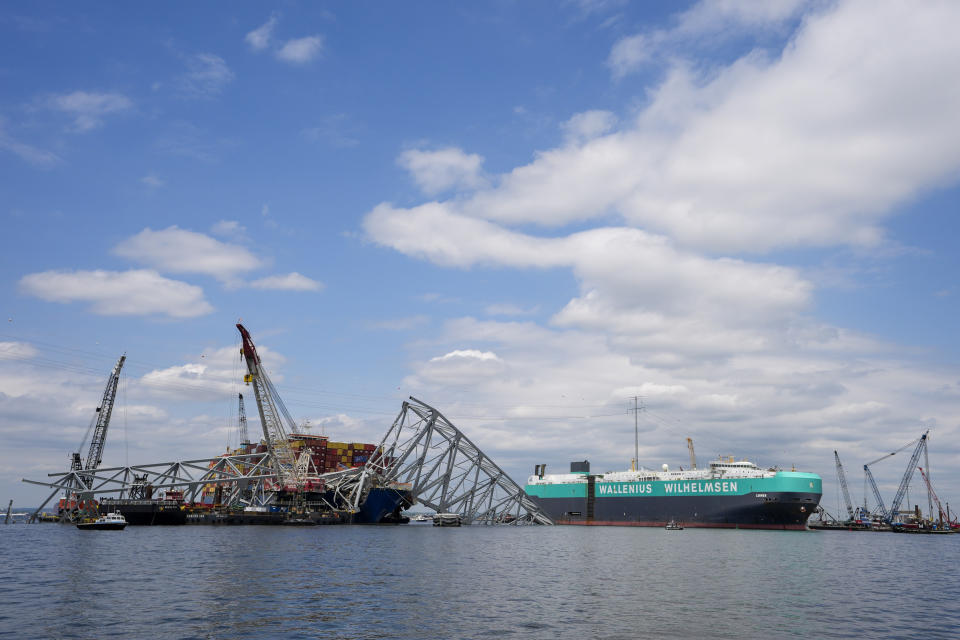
[(673, 525), (112, 521)]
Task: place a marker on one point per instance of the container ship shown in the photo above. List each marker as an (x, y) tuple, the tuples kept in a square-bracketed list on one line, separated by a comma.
[(729, 494)]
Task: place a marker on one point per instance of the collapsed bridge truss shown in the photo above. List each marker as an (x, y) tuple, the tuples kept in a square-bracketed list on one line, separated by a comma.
[(447, 472), (422, 452)]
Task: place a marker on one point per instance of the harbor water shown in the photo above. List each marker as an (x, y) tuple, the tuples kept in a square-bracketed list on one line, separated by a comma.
[(417, 581)]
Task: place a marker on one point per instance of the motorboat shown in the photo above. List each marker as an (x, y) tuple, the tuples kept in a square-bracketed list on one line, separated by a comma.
[(112, 521)]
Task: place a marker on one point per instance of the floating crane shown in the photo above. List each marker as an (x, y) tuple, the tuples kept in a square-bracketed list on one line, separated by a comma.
[(842, 477), (273, 414), (99, 427), (868, 478), (907, 476)]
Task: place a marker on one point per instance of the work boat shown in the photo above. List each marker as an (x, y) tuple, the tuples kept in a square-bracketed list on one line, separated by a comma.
[(111, 521)]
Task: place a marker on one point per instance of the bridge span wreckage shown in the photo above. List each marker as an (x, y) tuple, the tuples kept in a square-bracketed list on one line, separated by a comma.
[(422, 459)]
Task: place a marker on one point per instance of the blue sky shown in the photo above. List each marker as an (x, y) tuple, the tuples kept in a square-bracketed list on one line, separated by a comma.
[(522, 213)]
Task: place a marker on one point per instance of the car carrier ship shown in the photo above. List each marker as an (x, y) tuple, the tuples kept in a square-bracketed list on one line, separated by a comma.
[(728, 494)]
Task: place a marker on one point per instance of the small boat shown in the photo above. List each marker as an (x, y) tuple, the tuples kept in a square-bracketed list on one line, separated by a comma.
[(111, 521), (446, 520), (673, 525)]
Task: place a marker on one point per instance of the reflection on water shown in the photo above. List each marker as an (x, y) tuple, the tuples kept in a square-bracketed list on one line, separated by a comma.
[(473, 582)]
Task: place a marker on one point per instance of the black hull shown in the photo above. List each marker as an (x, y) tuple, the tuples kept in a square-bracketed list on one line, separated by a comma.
[(146, 512), (778, 511)]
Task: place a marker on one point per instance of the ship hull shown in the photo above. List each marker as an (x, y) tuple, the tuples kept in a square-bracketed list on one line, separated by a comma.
[(146, 512), (789, 511), (743, 504)]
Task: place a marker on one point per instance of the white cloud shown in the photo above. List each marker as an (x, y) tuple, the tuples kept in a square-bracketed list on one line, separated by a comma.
[(17, 351), (507, 309), (436, 171), (301, 50), (212, 375), (259, 38), (628, 54), (467, 353), (33, 155), (134, 292), (812, 148), (588, 125), (288, 282), (89, 108), (176, 250), (206, 77), (635, 285), (706, 23)]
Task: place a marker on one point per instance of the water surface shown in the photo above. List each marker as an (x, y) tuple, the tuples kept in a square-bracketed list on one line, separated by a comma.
[(417, 581)]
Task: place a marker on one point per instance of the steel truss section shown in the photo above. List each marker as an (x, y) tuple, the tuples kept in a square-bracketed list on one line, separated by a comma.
[(447, 472), (247, 479)]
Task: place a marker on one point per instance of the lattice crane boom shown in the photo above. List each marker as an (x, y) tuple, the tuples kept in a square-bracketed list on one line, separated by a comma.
[(244, 432), (907, 476), (272, 413), (842, 477), (933, 495), (876, 492), (102, 423)]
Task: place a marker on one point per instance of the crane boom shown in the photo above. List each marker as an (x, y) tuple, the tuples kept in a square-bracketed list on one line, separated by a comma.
[(95, 455), (933, 495), (272, 413), (876, 492), (842, 477), (908, 474), (693, 457), (99, 427), (244, 433)]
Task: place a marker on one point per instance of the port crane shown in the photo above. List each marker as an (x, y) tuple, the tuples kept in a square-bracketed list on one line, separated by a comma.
[(842, 477), (693, 456)]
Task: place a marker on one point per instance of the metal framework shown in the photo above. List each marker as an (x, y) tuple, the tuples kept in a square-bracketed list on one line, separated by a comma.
[(422, 453), (272, 414), (907, 476), (447, 472), (868, 475), (843, 485)]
